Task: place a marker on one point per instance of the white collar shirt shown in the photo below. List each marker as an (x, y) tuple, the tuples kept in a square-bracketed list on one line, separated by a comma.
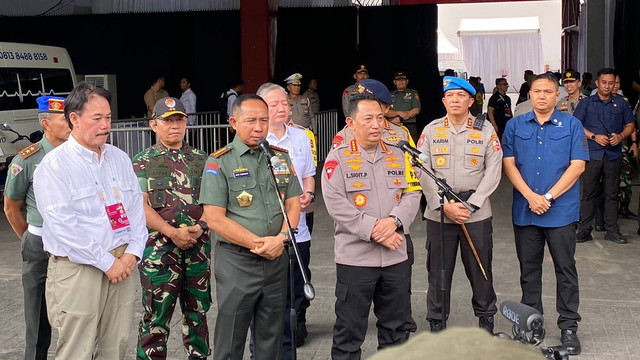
[(297, 143), (188, 99), (75, 222)]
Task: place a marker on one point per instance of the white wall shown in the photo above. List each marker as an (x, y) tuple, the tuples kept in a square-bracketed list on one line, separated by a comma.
[(549, 12)]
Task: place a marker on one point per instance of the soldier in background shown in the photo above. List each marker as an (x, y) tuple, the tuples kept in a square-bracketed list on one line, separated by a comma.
[(301, 113), (19, 191), (312, 95), (176, 260), (406, 104), (571, 83), (361, 74)]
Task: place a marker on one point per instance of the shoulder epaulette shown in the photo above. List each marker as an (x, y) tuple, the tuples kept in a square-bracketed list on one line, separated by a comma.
[(220, 152), (279, 149), (478, 123), (29, 150)]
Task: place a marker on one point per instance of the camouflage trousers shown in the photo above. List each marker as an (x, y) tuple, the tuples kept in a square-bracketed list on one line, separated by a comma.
[(162, 286), (625, 190)]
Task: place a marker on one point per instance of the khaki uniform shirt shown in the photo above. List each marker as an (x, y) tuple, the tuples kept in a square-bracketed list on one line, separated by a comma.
[(19, 185), (567, 105), (237, 178), (346, 94), (314, 99), (469, 159), (406, 100), (301, 113), (358, 190), (151, 97)]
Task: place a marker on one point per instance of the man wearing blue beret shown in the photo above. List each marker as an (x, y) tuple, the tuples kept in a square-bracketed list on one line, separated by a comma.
[(466, 152), (18, 191)]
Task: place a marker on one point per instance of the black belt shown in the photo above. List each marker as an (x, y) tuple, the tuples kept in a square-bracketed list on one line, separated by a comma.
[(234, 247)]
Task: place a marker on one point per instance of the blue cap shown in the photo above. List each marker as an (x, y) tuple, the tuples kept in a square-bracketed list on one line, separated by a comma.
[(453, 82), (51, 104), (377, 89)]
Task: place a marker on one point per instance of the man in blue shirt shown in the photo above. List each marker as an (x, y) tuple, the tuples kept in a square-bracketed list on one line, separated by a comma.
[(607, 121), (544, 154)]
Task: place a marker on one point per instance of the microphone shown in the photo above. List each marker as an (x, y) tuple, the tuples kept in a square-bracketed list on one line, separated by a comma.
[(404, 145), (268, 151), (522, 316)]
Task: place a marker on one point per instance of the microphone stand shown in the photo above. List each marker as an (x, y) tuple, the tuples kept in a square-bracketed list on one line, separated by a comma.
[(443, 190), (290, 242)]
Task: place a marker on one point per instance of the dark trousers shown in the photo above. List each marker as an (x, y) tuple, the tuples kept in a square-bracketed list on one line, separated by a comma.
[(309, 217), (248, 287), (356, 288), (530, 242), (34, 275), (300, 303), (410, 324), (484, 296), (609, 171)]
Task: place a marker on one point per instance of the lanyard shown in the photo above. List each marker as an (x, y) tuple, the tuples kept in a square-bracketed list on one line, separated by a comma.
[(100, 189)]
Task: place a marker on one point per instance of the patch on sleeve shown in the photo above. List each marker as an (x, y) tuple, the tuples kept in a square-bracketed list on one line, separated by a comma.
[(15, 170), (212, 169), (495, 143), (329, 168), (220, 152), (421, 140)]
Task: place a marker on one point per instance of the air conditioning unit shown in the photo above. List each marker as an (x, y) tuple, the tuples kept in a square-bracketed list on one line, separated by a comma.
[(108, 82)]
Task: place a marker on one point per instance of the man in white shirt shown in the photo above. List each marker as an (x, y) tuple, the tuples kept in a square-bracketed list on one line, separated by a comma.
[(188, 99), (94, 231), (298, 145)]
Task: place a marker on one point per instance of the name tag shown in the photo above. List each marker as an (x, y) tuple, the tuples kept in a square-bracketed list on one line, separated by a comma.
[(118, 219)]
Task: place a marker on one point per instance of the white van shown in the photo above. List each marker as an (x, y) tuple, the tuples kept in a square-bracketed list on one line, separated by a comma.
[(26, 72)]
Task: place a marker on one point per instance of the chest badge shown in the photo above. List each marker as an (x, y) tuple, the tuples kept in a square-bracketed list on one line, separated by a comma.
[(360, 200), (244, 199)]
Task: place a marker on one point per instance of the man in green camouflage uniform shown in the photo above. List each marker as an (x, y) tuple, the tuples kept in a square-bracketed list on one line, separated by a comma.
[(406, 104), (175, 263), (19, 192)]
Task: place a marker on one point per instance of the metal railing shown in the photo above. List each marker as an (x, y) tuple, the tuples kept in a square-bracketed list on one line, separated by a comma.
[(135, 135)]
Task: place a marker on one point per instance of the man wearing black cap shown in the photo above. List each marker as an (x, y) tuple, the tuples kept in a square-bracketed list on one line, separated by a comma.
[(406, 104), (571, 82), (360, 74), (459, 145), (176, 260)]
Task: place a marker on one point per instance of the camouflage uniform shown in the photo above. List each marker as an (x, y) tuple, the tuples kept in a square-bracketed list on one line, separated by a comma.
[(172, 179)]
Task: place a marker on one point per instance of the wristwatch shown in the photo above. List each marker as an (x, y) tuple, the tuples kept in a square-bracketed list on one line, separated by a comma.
[(313, 196), (203, 225), (549, 197), (396, 221), (593, 137)]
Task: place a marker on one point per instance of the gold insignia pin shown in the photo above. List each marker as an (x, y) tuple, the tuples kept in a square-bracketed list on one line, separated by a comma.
[(244, 199)]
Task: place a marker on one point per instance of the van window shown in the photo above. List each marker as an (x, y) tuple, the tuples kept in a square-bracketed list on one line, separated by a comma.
[(19, 87)]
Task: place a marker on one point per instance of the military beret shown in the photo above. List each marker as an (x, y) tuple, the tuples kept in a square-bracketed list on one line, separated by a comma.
[(453, 83), (294, 79), (376, 89), (50, 104)]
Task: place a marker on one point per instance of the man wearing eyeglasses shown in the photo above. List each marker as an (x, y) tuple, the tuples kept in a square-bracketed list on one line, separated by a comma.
[(499, 110), (176, 261)]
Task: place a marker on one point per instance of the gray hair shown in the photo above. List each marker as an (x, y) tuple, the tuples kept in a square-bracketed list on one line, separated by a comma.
[(265, 88), (43, 116)]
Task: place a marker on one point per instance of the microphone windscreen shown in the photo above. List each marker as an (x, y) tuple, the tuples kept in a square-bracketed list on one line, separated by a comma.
[(520, 315)]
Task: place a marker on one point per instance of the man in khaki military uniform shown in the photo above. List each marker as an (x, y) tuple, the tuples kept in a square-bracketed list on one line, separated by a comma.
[(18, 192), (373, 206), (571, 82), (468, 155), (391, 134), (242, 209), (361, 74), (301, 113), (312, 95), (406, 104)]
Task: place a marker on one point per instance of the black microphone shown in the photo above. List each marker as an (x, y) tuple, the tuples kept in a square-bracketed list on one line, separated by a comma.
[(266, 148), (524, 317), (404, 145)]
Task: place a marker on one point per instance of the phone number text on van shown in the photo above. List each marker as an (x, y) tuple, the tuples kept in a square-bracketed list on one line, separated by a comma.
[(35, 56)]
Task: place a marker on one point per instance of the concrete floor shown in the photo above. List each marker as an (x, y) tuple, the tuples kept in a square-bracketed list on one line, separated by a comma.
[(609, 288)]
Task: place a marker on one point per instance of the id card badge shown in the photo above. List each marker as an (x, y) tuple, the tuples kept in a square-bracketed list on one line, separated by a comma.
[(118, 218)]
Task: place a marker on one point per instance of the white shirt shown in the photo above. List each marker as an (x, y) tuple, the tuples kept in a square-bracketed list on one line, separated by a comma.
[(232, 96), (76, 225), (298, 144), (188, 99)]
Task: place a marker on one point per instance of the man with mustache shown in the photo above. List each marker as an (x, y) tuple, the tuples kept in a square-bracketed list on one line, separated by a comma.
[(94, 231), (176, 261)]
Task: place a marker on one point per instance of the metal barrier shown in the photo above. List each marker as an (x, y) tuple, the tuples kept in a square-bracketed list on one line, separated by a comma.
[(134, 135), (327, 127)]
